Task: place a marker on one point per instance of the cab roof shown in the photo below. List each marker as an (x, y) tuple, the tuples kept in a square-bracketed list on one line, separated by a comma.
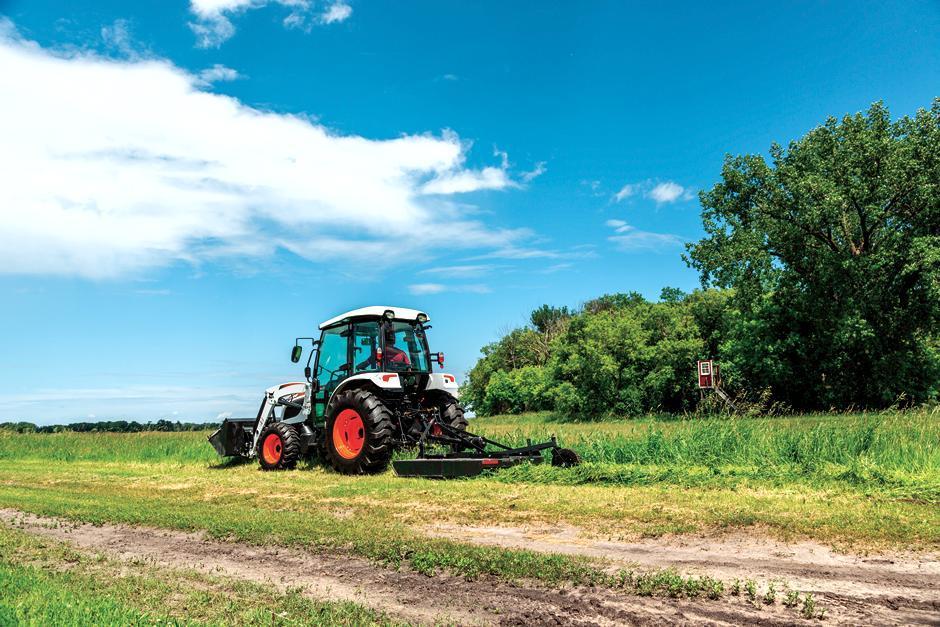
[(375, 311)]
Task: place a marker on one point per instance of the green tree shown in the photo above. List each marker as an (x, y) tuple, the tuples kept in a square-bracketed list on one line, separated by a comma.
[(630, 357), (833, 251)]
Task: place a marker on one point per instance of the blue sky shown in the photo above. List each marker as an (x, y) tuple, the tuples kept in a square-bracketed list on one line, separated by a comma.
[(190, 184)]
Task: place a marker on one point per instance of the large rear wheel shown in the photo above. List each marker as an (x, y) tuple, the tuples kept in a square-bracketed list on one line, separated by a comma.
[(278, 447), (452, 414), (358, 433)]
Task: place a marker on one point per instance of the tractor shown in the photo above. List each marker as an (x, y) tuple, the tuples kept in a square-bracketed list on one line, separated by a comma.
[(371, 391)]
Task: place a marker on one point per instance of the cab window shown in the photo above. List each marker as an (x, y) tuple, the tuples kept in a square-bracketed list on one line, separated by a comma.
[(332, 358), (365, 346), (408, 350)]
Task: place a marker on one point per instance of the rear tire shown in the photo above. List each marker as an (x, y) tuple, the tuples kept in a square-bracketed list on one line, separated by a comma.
[(452, 414), (278, 447), (358, 433)]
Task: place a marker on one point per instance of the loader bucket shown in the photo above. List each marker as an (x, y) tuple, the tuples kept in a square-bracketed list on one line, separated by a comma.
[(231, 438)]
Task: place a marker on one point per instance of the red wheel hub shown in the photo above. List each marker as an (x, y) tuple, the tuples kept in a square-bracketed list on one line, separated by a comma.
[(271, 448), (349, 434)]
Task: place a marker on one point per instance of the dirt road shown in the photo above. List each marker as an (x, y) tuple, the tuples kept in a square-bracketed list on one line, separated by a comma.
[(902, 594)]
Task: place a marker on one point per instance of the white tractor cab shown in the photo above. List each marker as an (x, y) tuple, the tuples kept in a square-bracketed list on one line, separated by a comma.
[(371, 390)]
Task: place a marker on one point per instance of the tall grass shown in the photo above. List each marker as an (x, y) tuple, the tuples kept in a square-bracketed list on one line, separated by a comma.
[(145, 447), (896, 453)]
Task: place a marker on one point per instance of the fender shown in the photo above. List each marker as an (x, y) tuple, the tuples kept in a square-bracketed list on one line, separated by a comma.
[(383, 380), (446, 383)]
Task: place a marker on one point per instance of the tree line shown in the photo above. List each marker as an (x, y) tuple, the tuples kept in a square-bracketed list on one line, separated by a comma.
[(820, 272), (106, 426)]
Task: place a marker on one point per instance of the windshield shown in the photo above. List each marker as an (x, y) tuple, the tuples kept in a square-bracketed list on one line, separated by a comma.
[(406, 348)]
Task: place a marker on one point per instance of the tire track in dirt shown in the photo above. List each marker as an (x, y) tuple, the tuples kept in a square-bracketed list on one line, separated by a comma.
[(404, 594), (888, 588)]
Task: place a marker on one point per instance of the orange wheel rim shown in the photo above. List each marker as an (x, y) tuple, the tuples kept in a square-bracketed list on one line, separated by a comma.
[(271, 448), (349, 434)]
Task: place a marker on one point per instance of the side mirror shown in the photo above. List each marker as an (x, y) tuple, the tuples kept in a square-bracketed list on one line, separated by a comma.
[(296, 352)]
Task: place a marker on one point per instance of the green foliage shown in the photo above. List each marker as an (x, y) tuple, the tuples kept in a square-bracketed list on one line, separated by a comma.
[(620, 355), (525, 389), (833, 250)]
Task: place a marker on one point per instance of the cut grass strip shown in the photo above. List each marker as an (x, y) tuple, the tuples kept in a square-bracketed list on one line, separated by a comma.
[(45, 582)]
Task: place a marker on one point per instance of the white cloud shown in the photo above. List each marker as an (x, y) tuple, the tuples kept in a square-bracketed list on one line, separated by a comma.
[(425, 289), (117, 36), (517, 252), (462, 271), (625, 192), (662, 193), (462, 181), (112, 167), (218, 73), (213, 24), (629, 238), (337, 12), (666, 192), (537, 171)]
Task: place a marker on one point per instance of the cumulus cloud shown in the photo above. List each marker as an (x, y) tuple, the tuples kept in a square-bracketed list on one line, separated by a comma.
[(629, 238), (662, 193), (336, 12), (425, 289), (213, 24), (112, 168)]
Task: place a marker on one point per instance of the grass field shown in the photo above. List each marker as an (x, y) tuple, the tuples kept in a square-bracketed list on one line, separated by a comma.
[(853, 480)]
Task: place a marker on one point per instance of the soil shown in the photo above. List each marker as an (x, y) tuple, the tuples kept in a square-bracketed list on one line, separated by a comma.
[(883, 588), (892, 592)]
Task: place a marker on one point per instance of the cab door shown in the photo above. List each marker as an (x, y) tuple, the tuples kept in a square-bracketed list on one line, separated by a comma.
[(332, 365)]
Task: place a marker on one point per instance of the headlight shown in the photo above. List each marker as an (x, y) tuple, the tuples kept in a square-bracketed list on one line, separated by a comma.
[(421, 318), (389, 314)]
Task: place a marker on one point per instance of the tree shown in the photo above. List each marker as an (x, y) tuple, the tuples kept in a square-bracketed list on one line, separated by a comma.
[(833, 251)]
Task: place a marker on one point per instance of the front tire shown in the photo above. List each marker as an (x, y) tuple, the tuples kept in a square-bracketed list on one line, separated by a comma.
[(359, 433), (278, 447)]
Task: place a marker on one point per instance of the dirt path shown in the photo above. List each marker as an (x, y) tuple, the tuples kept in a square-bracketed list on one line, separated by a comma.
[(885, 588), (418, 598)]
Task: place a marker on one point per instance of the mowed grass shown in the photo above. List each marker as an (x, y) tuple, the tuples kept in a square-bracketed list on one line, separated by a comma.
[(46, 582), (859, 481)]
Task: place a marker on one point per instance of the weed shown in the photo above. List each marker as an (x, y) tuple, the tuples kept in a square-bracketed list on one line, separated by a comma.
[(750, 586), (770, 597), (809, 607)]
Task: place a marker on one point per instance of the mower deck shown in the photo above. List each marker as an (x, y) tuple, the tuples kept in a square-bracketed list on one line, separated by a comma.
[(452, 467)]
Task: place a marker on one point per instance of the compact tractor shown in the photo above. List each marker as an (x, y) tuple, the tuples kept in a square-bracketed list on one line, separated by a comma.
[(369, 392)]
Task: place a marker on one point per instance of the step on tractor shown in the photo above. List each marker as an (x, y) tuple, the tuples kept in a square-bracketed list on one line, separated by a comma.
[(370, 390)]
